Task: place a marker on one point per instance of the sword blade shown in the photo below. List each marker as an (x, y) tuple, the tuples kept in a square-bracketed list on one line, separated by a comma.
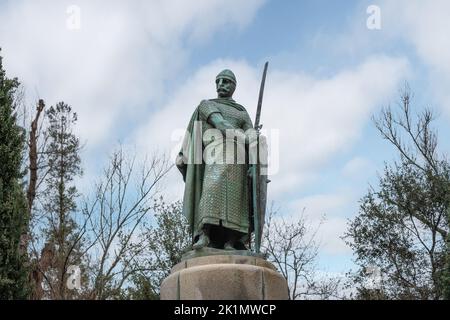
[(261, 94)]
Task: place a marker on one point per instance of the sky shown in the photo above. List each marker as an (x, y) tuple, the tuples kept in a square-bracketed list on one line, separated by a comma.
[(134, 72)]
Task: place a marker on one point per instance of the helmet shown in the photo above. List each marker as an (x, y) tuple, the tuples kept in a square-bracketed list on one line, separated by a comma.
[(227, 74)]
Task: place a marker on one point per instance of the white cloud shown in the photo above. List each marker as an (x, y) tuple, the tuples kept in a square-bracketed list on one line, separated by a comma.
[(115, 67), (331, 233), (327, 211), (416, 29), (320, 205), (318, 118), (356, 166), (425, 25), (324, 219)]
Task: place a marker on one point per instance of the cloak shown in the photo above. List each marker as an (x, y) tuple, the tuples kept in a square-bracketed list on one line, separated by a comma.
[(193, 168)]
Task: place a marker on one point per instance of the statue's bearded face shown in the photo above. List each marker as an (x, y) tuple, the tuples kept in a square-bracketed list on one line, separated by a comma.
[(225, 88)]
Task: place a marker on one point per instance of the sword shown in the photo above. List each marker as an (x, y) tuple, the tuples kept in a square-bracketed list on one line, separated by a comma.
[(255, 168), (260, 98)]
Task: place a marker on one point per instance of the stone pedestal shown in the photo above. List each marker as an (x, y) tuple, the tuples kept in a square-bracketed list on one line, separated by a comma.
[(224, 277)]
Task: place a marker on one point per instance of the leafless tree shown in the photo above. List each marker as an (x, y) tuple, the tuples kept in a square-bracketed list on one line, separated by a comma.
[(123, 201), (36, 163), (402, 226), (107, 225), (290, 243)]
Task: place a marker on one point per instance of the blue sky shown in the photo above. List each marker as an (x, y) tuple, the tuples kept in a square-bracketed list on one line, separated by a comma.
[(130, 67)]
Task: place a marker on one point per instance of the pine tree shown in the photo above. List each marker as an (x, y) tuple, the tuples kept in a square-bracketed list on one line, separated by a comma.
[(59, 203), (13, 208)]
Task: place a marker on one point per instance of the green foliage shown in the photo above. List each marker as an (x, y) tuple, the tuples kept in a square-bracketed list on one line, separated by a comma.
[(170, 235), (142, 289), (59, 198), (446, 273), (166, 240), (64, 164), (402, 226), (13, 208)]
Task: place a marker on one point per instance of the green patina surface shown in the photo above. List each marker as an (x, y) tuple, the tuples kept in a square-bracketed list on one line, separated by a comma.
[(216, 197)]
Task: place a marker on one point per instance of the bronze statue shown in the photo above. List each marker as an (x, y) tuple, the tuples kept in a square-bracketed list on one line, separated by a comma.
[(219, 193)]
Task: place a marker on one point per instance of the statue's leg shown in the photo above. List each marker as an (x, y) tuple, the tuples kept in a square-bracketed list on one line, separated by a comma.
[(240, 243), (235, 240), (229, 245), (203, 240), (230, 239)]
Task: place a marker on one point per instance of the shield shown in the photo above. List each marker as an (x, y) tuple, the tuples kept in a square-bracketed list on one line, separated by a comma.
[(259, 188), (262, 181)]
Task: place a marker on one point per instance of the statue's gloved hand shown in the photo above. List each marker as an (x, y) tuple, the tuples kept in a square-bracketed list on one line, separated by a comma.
[(250, 172), (227, 129), (224, 126), (218, 122), (179, 162)]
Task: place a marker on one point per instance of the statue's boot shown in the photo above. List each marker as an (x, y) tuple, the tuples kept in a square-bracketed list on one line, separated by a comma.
[(229, 245), (240, 243), (240, 246), (236, 243), (202, 242)]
